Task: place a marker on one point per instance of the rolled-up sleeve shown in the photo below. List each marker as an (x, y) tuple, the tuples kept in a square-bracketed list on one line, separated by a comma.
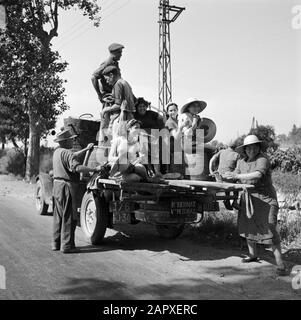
[(70, 161), (118, 93), (262, 165)]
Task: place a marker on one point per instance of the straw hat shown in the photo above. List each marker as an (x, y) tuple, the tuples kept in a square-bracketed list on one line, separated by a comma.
[(64, 135), (202, 104), (250, 139), (209, 128)]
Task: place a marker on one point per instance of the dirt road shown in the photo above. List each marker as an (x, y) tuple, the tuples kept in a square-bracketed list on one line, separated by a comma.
[(132, 263)]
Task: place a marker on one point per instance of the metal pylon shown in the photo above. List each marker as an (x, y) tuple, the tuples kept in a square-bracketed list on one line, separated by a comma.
[(165, 92)]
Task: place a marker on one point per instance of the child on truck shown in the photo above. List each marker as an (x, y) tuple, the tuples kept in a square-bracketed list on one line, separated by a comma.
[(126, 155)]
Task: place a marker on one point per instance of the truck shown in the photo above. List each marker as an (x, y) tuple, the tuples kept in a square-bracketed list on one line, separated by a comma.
[(169, 205)]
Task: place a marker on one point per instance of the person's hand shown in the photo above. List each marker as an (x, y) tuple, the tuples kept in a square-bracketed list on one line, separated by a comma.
[(184, 123), (195, 120), (230, 175), (98, 168)]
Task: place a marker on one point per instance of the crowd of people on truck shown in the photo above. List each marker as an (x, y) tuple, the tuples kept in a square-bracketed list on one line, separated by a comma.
[(123, 117)]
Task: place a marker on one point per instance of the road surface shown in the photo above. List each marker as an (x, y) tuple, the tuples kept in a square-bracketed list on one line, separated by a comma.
[(132, 263)]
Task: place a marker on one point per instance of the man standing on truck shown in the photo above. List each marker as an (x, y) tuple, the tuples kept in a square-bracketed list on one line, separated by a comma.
[(102, 87), (66, 174), (122, 106)]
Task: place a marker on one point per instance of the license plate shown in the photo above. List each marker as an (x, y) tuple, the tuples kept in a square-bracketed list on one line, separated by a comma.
[(210, 206), (182, 207)]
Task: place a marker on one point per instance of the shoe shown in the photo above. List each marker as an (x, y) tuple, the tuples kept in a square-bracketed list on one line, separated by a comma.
[(70, 250), (55, 247), (250, 259), (281, 272)]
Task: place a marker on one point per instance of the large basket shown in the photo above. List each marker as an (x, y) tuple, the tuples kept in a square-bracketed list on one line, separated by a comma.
[(86, 130)]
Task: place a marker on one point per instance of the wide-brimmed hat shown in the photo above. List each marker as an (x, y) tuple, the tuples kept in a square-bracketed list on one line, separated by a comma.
[(64, 135), (202, 104), (248, 140), (209, 128)]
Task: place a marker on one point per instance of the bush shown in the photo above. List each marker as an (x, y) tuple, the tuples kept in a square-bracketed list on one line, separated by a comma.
[(287, 183), (13, 162), (286, 161)]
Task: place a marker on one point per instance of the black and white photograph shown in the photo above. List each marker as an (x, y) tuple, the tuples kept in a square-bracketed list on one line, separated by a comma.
[(150, 153)]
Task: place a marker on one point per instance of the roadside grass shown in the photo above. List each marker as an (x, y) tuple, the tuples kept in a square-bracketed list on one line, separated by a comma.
[(216, 228)]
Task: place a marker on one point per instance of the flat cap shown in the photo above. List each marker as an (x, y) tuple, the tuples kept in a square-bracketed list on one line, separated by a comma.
[(109, 69), (115, 47)]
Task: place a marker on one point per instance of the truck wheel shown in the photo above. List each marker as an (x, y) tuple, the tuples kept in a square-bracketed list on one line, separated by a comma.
[(94, 214), (169, 231), (41, 205)]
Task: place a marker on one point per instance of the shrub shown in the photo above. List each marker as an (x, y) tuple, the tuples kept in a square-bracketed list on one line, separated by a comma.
[(13, 162), (287, 183)]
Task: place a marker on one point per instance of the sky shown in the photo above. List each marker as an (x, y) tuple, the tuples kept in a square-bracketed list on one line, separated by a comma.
[(243, 57)]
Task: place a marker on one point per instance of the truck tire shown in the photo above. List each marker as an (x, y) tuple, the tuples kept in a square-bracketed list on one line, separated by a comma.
[(94, 215), (41, 205), (170, 231)]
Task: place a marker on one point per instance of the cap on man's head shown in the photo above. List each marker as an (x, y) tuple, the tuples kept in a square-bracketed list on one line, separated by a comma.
[(110, 69), (115, 47)]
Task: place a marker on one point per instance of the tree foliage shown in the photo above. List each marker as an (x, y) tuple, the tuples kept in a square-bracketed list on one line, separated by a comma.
[(30, 70)]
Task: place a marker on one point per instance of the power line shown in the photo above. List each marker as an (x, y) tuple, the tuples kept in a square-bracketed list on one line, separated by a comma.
[(77, 26), (87, 28), (67, 35)]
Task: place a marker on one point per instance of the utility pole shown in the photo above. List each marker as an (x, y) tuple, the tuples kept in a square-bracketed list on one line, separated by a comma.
[(167, 14)]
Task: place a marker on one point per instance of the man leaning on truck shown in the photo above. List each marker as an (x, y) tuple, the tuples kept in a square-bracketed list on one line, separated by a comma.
[(66, 170)]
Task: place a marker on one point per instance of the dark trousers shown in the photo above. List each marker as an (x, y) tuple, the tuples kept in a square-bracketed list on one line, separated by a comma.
[(64, 224)]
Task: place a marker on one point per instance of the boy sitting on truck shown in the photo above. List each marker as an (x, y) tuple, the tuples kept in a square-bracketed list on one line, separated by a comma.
[(126, 156)]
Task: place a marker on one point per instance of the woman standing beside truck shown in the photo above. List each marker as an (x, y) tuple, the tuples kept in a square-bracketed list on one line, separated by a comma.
[(257, 216)]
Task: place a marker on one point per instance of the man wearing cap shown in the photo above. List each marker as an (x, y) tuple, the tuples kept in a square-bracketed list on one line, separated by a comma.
[(66, 170), (123, 102), (98, 80)]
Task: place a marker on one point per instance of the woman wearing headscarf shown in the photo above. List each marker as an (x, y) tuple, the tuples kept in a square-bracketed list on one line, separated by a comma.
[(257, 216)]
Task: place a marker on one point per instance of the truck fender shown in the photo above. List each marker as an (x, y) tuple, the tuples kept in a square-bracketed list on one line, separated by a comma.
[(47, 182)]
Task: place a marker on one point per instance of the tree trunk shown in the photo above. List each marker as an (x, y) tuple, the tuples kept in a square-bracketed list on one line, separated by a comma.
[(33, 154)]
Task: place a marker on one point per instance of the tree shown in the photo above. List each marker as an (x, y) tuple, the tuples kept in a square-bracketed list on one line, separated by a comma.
[(266, 133), (29, 69), (295, 135)]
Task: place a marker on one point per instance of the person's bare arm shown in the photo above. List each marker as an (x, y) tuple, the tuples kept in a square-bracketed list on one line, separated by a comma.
[(95, 81), (256, 175), (212, 163), (80, 152)]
